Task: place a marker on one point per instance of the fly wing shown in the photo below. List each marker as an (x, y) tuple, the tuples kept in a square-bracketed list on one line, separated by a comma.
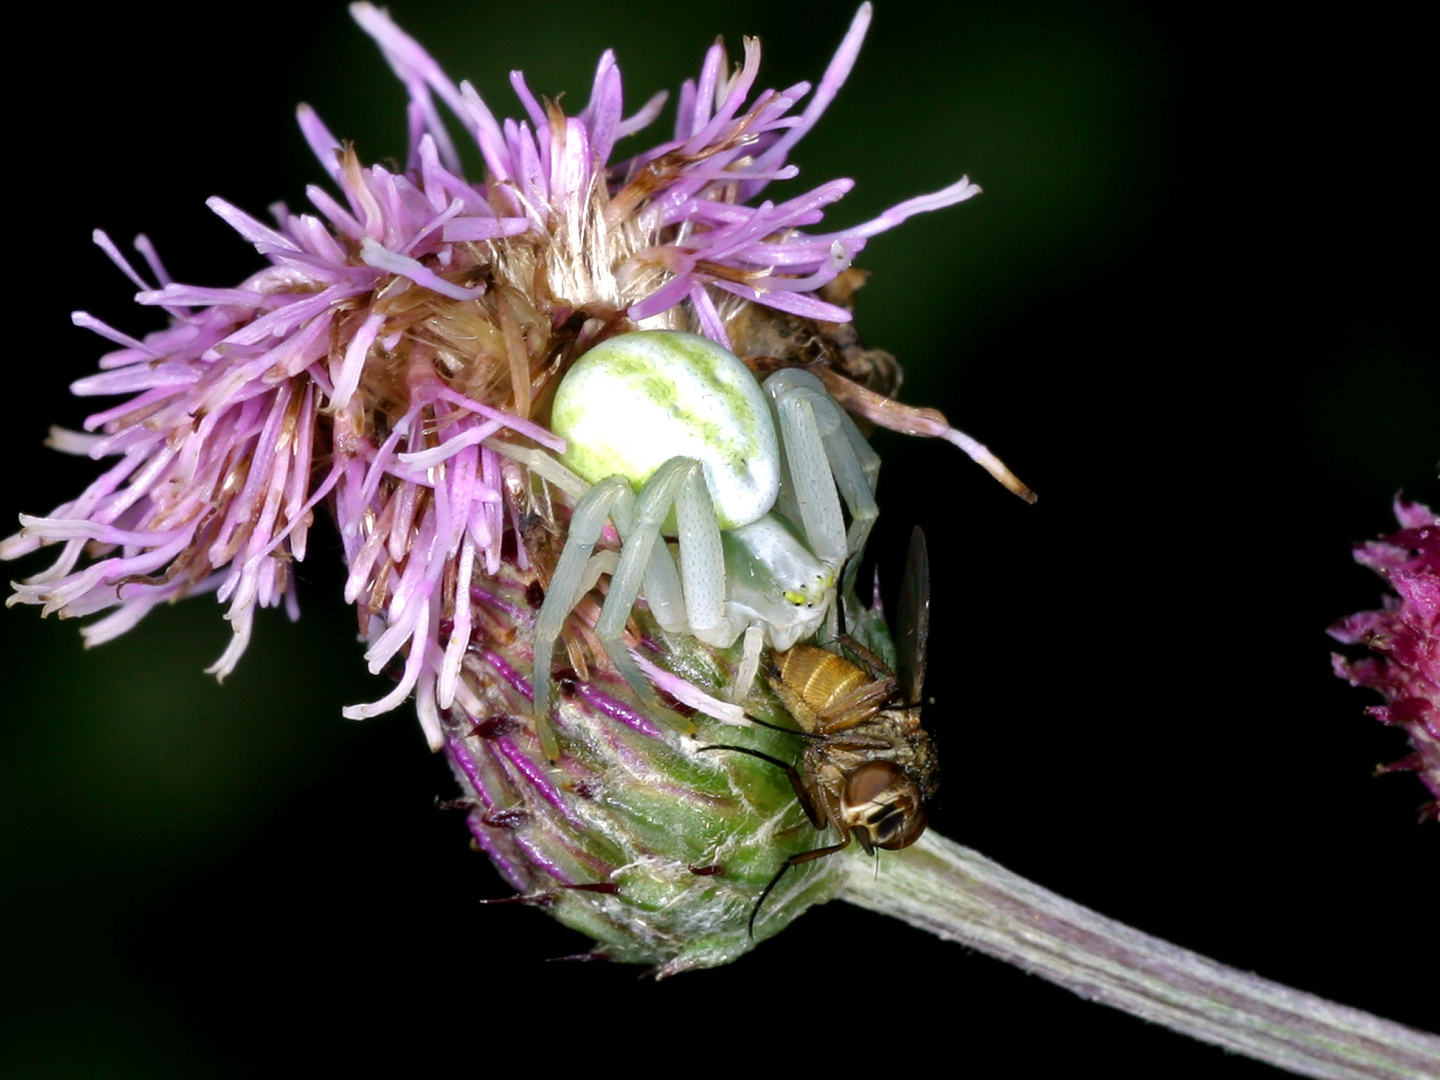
[(913, 619), (858, 706)]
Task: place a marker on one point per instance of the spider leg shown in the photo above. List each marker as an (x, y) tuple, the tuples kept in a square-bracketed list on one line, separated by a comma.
[(856, 468), (809, 499), (678, 483), (825, 450), (610, 497), (702, 559), (663, 592), (749, 663)]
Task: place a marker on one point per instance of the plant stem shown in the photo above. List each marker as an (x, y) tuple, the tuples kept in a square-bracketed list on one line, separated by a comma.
[(960, 895)]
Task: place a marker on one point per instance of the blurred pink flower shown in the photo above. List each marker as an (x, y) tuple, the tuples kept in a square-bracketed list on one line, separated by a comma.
[(1405, 636)]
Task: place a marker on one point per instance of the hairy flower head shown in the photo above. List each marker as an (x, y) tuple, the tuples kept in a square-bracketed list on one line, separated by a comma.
[(394, 362)]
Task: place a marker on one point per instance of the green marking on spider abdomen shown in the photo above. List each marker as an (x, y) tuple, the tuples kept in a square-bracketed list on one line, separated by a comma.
[(635, 401)]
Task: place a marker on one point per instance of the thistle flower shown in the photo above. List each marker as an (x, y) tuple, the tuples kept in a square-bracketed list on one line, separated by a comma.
[(1405, 637), (395, 363)]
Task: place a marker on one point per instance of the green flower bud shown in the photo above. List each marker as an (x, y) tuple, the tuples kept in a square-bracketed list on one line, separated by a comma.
[(636, 837)]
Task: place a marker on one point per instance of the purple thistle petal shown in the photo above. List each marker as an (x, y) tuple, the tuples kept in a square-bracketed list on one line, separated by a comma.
[(404, 266), (105, 244), (687, 694), (86, 321), (830, 83)]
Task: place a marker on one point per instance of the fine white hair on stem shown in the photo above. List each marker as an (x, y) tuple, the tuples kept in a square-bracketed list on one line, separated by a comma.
[(962, 896)]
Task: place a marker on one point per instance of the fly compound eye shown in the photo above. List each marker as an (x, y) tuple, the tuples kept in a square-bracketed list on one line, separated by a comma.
[(884, 805), (913, 825), (868, 784)]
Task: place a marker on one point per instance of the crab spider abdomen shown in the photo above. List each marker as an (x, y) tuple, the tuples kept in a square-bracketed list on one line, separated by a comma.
[(635, 401)]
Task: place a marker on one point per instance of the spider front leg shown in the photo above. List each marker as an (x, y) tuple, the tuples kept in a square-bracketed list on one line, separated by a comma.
[(679, 483), (826, 460), (609, 499)]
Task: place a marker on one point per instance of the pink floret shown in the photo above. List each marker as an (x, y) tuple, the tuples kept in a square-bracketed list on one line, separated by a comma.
[(1405, 637)]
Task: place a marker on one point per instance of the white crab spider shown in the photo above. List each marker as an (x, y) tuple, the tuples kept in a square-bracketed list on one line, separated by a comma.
[(677, 437)]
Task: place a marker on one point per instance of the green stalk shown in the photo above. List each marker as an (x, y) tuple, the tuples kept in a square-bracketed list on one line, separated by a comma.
[(962, 896)]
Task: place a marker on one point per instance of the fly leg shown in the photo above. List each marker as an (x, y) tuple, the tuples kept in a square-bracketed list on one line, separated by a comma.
[(794, 860)]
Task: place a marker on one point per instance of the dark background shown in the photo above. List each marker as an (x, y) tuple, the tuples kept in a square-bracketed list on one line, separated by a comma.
[(1187, 311)]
